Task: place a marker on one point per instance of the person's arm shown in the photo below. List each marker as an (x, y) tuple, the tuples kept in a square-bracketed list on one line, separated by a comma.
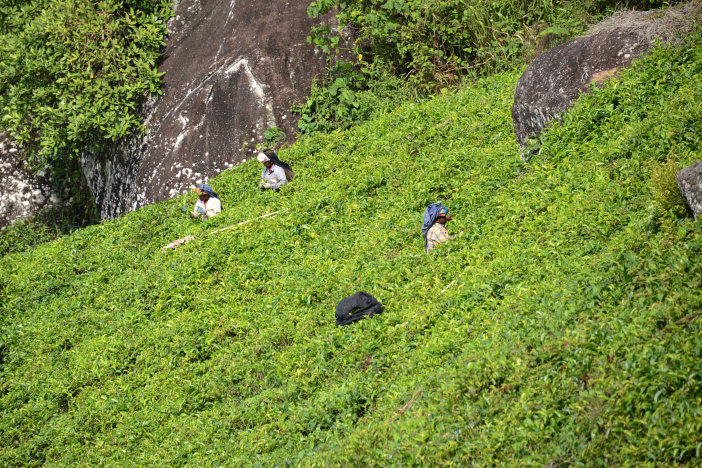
[(265, 183), (199, 209), (442, 236)]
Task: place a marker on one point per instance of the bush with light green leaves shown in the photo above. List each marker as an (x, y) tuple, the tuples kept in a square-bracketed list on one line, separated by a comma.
[(74, 72)]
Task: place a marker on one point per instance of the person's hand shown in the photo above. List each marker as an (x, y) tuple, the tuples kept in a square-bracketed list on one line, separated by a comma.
[(265, 185)]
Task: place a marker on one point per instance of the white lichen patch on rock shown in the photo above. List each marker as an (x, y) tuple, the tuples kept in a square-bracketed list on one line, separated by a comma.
[(23, 192)]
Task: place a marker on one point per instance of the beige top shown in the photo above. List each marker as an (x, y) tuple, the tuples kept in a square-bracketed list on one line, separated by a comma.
[(437, 234)]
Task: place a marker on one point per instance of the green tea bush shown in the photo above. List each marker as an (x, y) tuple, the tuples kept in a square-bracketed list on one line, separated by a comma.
[(73, 209), (73, 72), (45, 226), (665, 187), (559, 329)]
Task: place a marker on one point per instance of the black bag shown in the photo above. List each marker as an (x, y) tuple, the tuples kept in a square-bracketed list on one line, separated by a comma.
[(354, 308)]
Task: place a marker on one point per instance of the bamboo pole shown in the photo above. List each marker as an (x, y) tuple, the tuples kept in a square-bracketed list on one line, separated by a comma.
[(249, 220)]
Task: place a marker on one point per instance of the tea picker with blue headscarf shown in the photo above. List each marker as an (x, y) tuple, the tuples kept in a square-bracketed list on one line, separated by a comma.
[(434, 229), (208, 203)]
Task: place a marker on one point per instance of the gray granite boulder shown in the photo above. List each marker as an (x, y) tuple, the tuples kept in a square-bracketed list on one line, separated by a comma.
[(555, 79), (233, 68), (23, 192), (690, 183)]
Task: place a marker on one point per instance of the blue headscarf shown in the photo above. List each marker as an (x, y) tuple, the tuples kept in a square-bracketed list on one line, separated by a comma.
[(430, 215), (208, 190)]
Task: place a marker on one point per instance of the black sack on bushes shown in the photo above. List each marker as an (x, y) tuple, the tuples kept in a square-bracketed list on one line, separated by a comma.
[(354, 308)]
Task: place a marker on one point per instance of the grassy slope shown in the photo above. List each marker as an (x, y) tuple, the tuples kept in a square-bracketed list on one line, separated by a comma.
[(555, 344)]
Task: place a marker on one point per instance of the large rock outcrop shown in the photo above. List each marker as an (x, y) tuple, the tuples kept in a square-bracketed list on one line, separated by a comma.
[(690, 184), (23, 192), (555, 79), (233, 68)]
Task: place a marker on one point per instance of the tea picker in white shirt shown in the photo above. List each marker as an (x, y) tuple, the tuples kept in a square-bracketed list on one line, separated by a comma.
[(273, 176), (208, 203)]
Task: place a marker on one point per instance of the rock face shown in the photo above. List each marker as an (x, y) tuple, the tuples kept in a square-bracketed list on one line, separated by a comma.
[(23, 192), (555, 79), (233, 68), (690, 183)]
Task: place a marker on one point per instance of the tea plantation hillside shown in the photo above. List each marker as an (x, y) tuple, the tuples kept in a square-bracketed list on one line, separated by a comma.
[(557, 329)]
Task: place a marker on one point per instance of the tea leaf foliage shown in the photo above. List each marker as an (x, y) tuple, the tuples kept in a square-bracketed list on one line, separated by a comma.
[(557, 330), (74, 72)]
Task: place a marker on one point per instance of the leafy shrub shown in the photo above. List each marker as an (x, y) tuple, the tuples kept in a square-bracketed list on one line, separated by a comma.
[(347, 98), (665, 188), (274, 135), (434, 42), (432, 45), (73, 72)]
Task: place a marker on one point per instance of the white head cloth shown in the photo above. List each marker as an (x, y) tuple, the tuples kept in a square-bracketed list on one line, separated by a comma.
[(262, 158)]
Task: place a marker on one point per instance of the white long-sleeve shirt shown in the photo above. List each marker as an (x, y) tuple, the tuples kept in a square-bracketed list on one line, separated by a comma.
[(212, 208), (274, 176)]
